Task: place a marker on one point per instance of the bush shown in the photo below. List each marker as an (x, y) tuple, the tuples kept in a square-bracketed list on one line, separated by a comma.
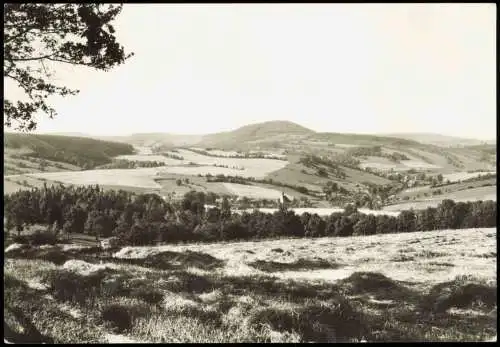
[(55, 256), (43, 238), (22, 239), (118, 316), (335, 321), (458, 293), (322, 172), (38, 238), (141, 235), (71, 286), (374, 283)]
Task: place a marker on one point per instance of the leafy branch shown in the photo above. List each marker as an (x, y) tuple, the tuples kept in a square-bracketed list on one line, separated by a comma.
[(76, 34)]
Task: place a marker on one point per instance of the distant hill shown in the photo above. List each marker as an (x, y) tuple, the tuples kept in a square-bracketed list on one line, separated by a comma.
[(80, 151), (446, 152), (141, 139), (149, 139), (441, 140), (74, 134), (353, 161), (266, 134), (259, 133)]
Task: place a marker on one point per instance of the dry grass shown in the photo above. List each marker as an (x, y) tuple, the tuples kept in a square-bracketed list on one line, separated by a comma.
[(290, 290)]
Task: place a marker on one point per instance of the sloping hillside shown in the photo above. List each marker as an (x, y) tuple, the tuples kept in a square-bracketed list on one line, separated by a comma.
[(79, 151), (356, 150), (440, 140), (256, 134), (150, 139)]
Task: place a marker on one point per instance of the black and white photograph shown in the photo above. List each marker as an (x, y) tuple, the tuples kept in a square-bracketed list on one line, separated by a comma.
[(249, 172)]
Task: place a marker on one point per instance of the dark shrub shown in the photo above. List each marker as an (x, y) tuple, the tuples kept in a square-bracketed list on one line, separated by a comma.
[(175, 260), (187, 282), (234, 230), (211, 317), (38, 238), (70, 286), (207, 232), (458, 294), (335, 321), (140, 235), (374, 283), (55, 256), (118, 316), (22, 239), (43, 238), (300, 264)]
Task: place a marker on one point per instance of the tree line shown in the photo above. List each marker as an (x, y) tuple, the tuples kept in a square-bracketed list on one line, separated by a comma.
[(131, 164), (249, 180), (82, 152), (236, 156), (145, 219), (376, 151)]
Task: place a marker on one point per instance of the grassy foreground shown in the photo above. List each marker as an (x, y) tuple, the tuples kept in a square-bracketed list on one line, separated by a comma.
[(432, 286)]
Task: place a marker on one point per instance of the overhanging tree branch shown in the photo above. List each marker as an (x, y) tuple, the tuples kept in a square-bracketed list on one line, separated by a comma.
[(32, 58), (32, 30)]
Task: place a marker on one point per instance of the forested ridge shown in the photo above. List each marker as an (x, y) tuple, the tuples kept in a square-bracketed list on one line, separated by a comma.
[(80, 151)]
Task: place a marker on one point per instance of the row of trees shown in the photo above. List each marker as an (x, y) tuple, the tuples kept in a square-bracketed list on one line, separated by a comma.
[(131, 164), (147, 219), (82, 152), (172, 156), (376, 151), (320, 164), (250, 180), (256, 155)]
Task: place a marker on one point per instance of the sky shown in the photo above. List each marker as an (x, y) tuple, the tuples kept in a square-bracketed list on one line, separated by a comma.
[(362, 68)]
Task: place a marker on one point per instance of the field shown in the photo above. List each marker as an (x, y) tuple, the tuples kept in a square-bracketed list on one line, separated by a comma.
[(438, 191), (142, 178), (478, 193), (253, 192), (460, 176), (404, 165), (393, 287), (18, 182), (14, 163), (151, 157), (244, 167)]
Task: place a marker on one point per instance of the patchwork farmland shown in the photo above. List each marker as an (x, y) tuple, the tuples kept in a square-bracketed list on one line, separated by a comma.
[(273, 287)]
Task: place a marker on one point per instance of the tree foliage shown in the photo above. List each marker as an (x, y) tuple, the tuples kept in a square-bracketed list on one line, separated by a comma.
[(145, 219), (35, 34)]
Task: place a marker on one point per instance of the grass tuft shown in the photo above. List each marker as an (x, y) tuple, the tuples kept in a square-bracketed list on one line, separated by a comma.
[(299, 264), (460, 293)]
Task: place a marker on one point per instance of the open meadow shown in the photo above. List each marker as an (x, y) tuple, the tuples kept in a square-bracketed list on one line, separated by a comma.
[(421, 286), (193, 165), (142, 178), (472, 194), (460, 176), (403, 165)]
